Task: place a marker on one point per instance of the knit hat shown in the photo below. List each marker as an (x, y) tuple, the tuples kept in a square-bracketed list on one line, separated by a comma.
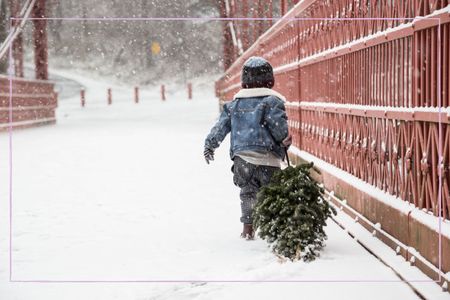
[(257, 73)]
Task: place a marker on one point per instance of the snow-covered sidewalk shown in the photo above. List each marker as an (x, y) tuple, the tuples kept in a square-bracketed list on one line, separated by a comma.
[(122, 192)]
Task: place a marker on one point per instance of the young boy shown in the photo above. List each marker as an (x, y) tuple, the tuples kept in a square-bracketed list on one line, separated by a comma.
[(257, 121)]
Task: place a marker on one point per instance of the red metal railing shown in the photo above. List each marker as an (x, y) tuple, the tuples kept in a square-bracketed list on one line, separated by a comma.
[(364, 81), (239, 32), (33, 103)]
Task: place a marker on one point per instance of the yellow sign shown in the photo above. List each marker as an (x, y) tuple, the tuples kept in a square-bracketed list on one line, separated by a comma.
[(156, 48)]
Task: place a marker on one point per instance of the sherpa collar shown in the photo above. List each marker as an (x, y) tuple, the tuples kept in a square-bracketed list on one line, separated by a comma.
[(258, 92)]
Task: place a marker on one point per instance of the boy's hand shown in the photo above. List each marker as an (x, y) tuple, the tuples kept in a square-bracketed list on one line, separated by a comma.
[(209, 155), (287, 142)]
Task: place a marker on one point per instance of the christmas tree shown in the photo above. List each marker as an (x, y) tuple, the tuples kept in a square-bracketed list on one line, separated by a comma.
[(291, 213)]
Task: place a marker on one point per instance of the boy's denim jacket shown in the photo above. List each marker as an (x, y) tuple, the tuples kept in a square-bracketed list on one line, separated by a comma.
[(257, 121)]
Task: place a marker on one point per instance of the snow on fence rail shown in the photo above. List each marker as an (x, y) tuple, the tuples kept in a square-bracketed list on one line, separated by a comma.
[(373, 63), (33, 103)]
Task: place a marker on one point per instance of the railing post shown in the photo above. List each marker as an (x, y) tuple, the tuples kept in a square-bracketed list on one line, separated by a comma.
[(17, 47), (83, 98), (245, 25), (163, 92), (40, 40), (227, 41), (189, 86), (270, 13), (136, 94), (255, 25), (109, 96), (284, 7)]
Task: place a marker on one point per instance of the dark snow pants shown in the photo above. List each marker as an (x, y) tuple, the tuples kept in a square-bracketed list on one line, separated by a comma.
[(250, 178)]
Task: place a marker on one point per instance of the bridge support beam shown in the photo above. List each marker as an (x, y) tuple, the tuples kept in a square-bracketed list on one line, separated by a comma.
[(40, 40), (18, 41), (245, 25), (270, 13), (228, 47), (284, 7)]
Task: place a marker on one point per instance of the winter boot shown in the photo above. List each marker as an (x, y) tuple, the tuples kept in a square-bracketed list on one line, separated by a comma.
[(248, 232)]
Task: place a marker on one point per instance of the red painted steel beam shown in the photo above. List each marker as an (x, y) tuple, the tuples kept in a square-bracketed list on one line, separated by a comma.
[(283, 7), (227, 41), (254, 8), (236, 28), (40, 40), (260, 12), (17, 45), (270, 13), (245, 25)]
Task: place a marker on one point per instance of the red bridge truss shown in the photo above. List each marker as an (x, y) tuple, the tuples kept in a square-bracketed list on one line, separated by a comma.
[(33, 102), (368, 89)]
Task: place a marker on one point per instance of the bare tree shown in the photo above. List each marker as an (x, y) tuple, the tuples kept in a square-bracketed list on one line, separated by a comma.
[(123, 48)]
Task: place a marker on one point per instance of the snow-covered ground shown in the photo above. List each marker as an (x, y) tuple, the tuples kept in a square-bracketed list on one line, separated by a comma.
[(122, 193)]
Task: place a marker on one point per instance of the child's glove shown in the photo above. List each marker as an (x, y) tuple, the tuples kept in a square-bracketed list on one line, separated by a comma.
[(287, 142), (209, 155)]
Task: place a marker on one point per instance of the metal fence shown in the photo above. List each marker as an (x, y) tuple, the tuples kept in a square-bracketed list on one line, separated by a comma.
[(368, 87)]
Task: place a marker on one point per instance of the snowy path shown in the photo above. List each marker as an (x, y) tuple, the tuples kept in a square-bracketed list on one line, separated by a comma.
[(123, 193)]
